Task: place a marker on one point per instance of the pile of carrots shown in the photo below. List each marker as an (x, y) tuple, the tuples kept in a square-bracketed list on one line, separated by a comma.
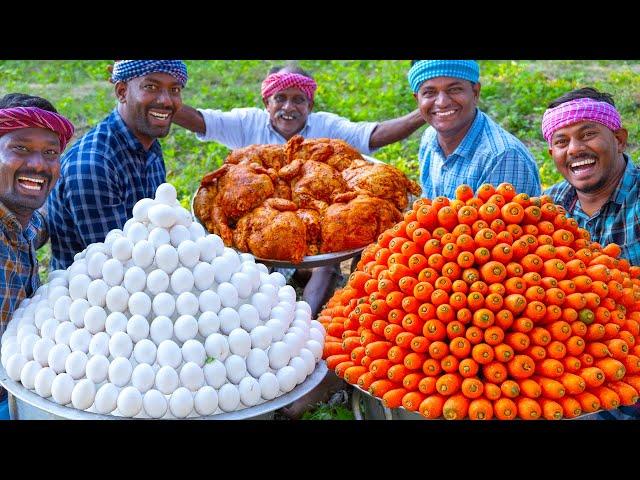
[(489, 306)]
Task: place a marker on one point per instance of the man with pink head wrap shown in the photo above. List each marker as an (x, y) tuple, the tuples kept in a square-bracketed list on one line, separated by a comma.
[(601, 190)]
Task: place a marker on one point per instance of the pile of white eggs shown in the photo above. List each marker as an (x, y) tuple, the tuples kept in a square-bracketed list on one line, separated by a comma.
[(162, 320)]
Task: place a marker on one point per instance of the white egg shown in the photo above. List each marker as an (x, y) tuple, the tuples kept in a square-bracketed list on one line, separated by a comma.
[(55, 293), (188, 251), (79, 267), (94, 264), (120, 371), (127, 225), (159, 236), (106, 398), (99, 344), (120, 345), (233, 257), (97, 292), (191, 376), (97, 368), (164, 304), (187, 304), (162, 215), (112, 272), (182, 280), (279, 355), (228, 295), (179, 234), (294, 341), (6, 341), (137, 232), (181, 403), (317, 335), (193, 351), (161, 329), (262, 268), (249, 317), (236, 368), (203, 275), (315, 347), (61, 388), (217, 346), (43, 381), (143, 377), (185, 328), (183, 216), (209, 301), (257, 362), (282, 314), (83, 394), (265, 279), (26, 330), (61, 308), (239, 342), (121, 249), (167, 258), (134, 279), (117, 299), (286, 378), (145, 351), (169, 354), (269, 386), (115, 322), (28, 374), (309, 360), (215, 373), (158, 281), (300, 367), (94, 320), (167, 380), (250, 391), (77, 311), (228, 397), (242, 283), (44, 314), (143, 253), (137, 328), (278, 279), (64, 331), (287, 293), (206, 401), (129, 402), (27, 344), (302, 305), (208, 323), (223, 269), (206, 248), (229, 320), (154, 404), (277, 327), (262, 302), (15, 364), (197, 231), (139, 304), (141, 209), (261, 337), (41, 351), (166, 193), (318, 326), (80, 340)]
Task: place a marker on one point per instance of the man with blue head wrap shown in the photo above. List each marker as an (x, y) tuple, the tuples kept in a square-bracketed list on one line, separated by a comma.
[(119, 161), (462, 144)]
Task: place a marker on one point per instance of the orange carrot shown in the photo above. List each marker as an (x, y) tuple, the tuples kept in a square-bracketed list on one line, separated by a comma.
[(365, 380), (480, 409), (570, 407), (455, 407), (505, 409), (380, 387), (551, 410), (352, 374), (412, 400), (628, 394), (588, 401), (613, 369), (334, 360), (528, 408), (431, 407), (608, 398), (393, 398)]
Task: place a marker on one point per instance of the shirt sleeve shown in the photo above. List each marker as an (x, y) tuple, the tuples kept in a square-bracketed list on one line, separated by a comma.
[(514, 167), (227, 128), (94, 198), (356, 134)]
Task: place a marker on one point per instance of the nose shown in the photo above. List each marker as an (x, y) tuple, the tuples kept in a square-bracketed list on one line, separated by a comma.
[(163, 98), (442, 98), (36, 162), (576, 146)]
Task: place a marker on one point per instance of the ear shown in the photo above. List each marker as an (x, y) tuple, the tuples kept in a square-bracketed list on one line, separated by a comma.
[(121, 91), (265, 101), (621, 137), (476, 90), (415, 95), (310, 105)]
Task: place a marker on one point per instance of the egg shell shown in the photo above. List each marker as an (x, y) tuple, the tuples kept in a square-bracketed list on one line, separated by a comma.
[(64, 331), (193, 351), (183, 216), (159, 236), (249, 317), (28, 374), (209, 301), (43, 381), (254, 274), (250, 392), (164, 304), (279, 355), (169, 354), (223, 269), (181, 403), (286, 378), (182, 280), (143, 377), (300, 367), (134, 279), (97, 368), (155, 404), (162, 215), (282, 314), (140, 304), (80, 340), (294, 341), (185, 328), (41, 351), (203, 276), (179, 234), (43, 314), (83, 394), (145, 351), (167, 258), (205, 401), (137, 328), (120, 371), (161, 329), (94, 265), (188, 252), (206, 248), (143, 253), (187, 304), (315, 347), (191, 376), (27, 344), (257, 362), (167, 380), (287, 293), (239, 342), (106, 398), (197, 231), (61, 388), (137, 233), (166, 193), (215, 373), (127, 225), (115, 322), (208, 323), (243, 284), (317, 335), (158, 281), (262, 268), (217, 346), (78, 267), (261, 337), (97, 292), (129, 402), (228, 397), (271, 291), (269, 386), (229, 320), (99, 344), (15, 364), (112, 272), (262, 302), (278, 279), (26, 330), (277, 327), (117, 299), (78, 286), (228, 295), (236, 368), (120, 345), (309, 360)]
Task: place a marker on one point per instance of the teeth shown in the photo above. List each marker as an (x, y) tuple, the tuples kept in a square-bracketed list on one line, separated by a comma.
[(34, 187), (30, 179), (286, 117), (445, 114), (583, 162), (161, 116)]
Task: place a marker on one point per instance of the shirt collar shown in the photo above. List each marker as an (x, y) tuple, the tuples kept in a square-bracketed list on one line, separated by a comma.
[(121, 128), (13, 227), (301, 132), (627, 182)]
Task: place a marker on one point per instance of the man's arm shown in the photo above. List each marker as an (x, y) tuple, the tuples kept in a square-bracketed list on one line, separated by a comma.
[(190, 118), (396, 129)]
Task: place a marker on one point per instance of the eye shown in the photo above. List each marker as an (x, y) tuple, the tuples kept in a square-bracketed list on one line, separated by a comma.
[(51, 152), (20, 148), (299, 100), (455, 90), (560, 142), (176, 90), (149, 87)]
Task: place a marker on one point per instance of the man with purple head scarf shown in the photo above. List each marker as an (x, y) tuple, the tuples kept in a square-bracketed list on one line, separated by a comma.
[(119, 161)]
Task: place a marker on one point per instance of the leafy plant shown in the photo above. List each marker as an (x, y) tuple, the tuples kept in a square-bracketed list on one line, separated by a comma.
[(329, 412)]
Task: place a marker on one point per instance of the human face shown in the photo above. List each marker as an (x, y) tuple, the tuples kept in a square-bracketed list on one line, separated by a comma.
[(147, 105), (288, 110), (448, 104), (29, 168), (588, 154)]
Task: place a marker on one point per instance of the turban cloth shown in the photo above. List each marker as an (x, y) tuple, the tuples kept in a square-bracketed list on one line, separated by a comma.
[(281, 81), (125, 70), (427, 69), (15, 118), (579, 110)]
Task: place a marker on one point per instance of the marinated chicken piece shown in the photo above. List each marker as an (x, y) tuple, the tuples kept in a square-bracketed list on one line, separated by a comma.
[(269, 156), (272, 231), (380, 180), (311, 219), (356, 223), (313, 184), (203, 204), (337, 153), (242, 188)]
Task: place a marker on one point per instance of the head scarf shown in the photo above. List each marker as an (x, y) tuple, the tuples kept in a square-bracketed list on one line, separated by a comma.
[(579, 110), (125, 70), (15, 118), (281, 81), (427, 69)]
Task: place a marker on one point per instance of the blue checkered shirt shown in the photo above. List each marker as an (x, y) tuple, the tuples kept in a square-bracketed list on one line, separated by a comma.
[(487, 154), (102, 176), (618, 221), (18, 261)]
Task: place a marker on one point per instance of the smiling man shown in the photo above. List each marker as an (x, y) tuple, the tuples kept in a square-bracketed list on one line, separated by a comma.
[(119, 161), (462, 144), (601, 189)]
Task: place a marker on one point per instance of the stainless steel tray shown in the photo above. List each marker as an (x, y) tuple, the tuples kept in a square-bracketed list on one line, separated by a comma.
[(27, 405)]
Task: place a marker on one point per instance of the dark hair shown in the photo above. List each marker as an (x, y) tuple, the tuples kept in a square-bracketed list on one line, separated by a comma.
[(11, 100), (289, 67), (586, 92)]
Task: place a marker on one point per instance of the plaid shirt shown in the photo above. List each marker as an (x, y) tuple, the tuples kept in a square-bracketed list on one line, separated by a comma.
[(487, 154), (18, 261), (102, 177), (618, 221)]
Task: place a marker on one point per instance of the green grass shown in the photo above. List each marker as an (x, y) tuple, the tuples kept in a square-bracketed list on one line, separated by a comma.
[(329, 412), (514, 93)]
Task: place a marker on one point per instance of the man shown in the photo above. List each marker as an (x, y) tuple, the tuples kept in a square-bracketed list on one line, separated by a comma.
[(462, 144), (32, 137), (119, 161)]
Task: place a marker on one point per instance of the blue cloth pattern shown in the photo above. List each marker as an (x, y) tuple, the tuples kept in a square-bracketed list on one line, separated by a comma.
[(487, 154), (124, 70), (102, 176), (426, 69)]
